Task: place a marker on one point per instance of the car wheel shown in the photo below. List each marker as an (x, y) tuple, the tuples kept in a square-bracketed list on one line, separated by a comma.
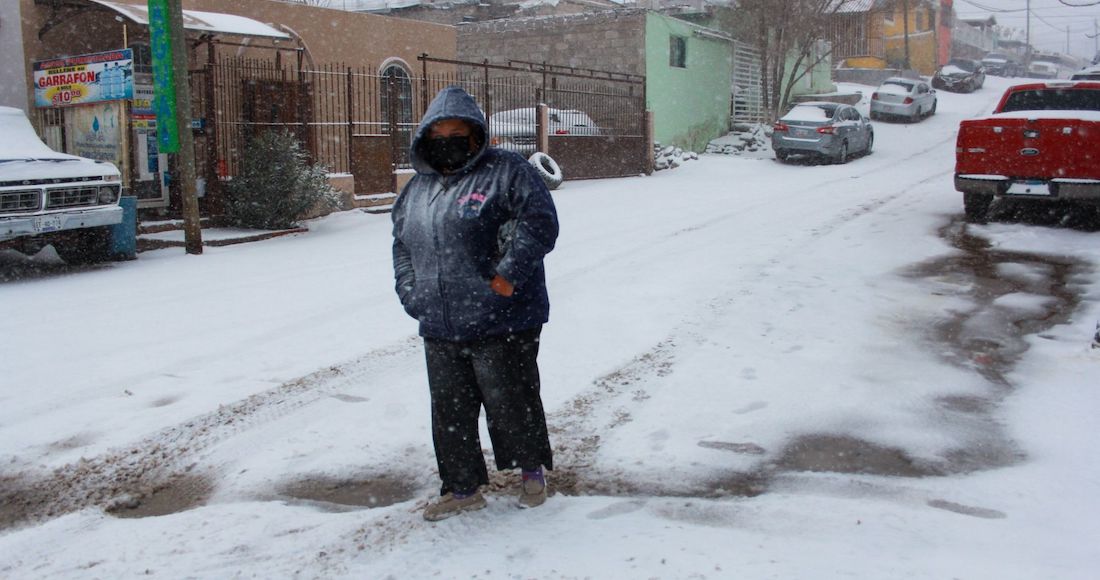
[(548, 169), (976, 207), (917, 115), (782, 154), (841, 155), (870, 144), (932, 111), (875, 116), (85, 246)]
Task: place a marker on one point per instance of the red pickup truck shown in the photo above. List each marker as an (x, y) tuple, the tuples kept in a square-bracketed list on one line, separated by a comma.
[(1041, 144)]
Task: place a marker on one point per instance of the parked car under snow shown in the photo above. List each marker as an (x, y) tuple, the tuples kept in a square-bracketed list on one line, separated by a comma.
[(54, 198), (903, 98), (824, 129), (516, 129), (960, 75)]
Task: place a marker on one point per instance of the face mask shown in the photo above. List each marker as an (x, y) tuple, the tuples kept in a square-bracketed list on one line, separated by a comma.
[(447, 154)]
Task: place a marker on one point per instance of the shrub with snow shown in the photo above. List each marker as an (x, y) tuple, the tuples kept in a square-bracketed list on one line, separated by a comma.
[(276, 185)]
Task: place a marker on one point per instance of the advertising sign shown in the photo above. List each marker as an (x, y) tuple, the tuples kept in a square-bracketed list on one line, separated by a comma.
[(83, 79), (95, 132)]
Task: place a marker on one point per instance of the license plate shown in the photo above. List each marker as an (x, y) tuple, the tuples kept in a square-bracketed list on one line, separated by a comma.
[(47, 223), (1029, 188)]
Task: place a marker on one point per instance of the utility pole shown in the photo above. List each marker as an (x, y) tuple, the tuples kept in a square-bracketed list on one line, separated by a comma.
[(185, 158), (1027, 40), (905, 23)]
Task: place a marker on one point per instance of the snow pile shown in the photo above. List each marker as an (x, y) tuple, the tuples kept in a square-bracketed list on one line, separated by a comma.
[(752, 139), (670, 157)]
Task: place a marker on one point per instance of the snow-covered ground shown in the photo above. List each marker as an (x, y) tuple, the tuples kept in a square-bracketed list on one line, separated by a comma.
[(752, 370)]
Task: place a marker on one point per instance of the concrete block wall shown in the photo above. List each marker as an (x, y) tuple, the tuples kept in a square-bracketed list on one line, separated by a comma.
[(611, 40)]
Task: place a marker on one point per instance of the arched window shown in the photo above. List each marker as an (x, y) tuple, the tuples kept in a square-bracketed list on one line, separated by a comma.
[(396, 93), (397, 108)]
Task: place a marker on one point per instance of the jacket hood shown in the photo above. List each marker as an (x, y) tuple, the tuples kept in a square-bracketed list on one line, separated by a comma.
[(451, 103)]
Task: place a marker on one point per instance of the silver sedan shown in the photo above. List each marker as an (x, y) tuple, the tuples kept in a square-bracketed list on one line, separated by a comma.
[(832, 130), (904, 98)]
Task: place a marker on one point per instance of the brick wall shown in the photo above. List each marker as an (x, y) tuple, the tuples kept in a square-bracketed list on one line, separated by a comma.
[(613, 40)]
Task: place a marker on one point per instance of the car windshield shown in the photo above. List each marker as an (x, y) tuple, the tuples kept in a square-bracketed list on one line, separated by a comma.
[(896, 87), (513, 116), (965, 65), (1053, 100)]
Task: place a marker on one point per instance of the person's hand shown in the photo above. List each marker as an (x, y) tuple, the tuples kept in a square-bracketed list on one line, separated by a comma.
[(502, 286)]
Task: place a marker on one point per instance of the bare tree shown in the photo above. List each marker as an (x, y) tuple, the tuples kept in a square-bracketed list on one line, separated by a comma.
[(784, 31)]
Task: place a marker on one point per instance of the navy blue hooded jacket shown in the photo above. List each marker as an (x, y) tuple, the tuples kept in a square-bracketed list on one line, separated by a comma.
[(453, 233)]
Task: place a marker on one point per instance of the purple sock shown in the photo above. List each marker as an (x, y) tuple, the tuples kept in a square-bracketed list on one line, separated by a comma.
[(534, 474)]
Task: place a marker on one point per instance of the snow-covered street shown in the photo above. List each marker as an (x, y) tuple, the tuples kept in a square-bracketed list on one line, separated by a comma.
[(751, 370)]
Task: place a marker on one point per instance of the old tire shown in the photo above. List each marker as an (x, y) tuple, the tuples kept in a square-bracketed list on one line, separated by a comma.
[(85, 246), (782, 155), (547, 168), (976, 206)]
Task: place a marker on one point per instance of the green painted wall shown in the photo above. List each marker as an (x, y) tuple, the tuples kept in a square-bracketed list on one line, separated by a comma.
[(690, 105), (815, 82)]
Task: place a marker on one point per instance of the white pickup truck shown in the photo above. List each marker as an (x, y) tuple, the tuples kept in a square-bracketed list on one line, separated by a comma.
[(48, 197)]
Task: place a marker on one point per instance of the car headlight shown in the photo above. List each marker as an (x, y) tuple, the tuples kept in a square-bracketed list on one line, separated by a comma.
[(112, 178), (108, 195)]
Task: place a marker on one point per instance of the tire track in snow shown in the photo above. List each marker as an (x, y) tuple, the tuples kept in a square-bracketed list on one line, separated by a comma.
[(122, 476), (601, 407)]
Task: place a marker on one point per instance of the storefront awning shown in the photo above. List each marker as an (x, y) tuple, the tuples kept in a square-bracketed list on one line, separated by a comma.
[(209, 22)]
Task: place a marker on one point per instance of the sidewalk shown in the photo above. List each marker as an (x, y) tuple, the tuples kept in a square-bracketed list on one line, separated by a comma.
[(154, 235)]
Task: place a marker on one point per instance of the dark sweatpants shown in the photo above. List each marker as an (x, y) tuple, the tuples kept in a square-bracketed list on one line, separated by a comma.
[(502, 374)]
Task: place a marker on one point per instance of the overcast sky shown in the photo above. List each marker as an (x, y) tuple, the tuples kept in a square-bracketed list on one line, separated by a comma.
[(1049, 21)]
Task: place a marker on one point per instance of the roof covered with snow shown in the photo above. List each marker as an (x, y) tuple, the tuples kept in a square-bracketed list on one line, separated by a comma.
[(214, 22)]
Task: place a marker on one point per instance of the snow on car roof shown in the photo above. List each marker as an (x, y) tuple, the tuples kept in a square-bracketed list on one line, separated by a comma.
[(20, 141), (813, 111), (952, 69), (898, 87)]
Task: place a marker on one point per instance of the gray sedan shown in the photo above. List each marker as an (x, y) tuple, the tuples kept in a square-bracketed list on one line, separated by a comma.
[(831, 130), (905, 98)]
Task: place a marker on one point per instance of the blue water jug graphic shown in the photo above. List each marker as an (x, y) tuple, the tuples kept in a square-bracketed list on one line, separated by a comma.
[(106, 82)]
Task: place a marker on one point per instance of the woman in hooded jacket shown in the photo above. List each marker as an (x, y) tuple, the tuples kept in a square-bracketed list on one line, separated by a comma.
[(470, 231)]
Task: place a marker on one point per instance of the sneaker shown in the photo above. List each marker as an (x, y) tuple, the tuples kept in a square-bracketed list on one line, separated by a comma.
[(532, 491), (453, 504)]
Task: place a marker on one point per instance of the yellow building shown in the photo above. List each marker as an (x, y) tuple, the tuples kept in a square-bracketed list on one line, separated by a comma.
[(918, 48)]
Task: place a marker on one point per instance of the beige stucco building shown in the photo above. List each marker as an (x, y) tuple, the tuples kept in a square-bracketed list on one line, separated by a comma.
[(252, 63)]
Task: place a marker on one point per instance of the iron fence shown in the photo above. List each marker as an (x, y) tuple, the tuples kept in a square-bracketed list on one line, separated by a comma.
[(329, 107)]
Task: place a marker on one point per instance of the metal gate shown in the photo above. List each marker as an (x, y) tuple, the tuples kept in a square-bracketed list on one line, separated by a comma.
[(748, 88)]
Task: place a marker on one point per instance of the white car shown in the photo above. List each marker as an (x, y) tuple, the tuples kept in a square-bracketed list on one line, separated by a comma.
[(1042, 69), (1091, 73), (515, 129), (55, 198), (905, 98)]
